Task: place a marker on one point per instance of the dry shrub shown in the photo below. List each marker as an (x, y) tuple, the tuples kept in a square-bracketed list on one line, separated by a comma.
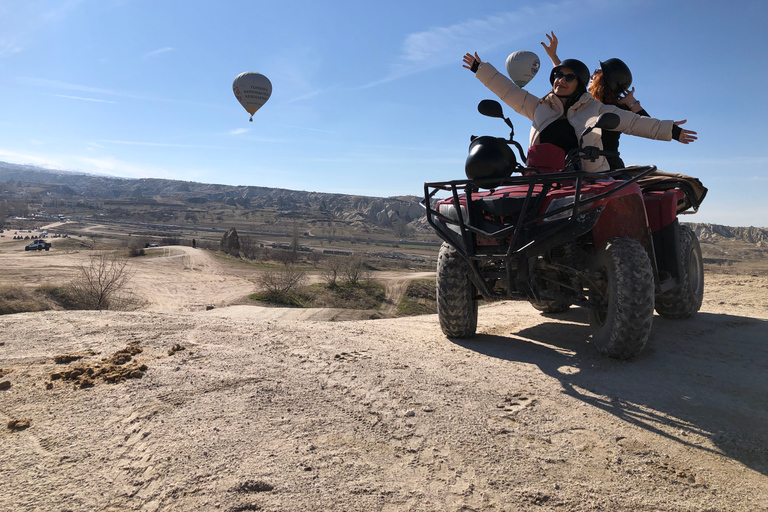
[(15, 299), (279, 284), (356, 269), (58, 294), (136, 251), (330, 270), (101, 283)]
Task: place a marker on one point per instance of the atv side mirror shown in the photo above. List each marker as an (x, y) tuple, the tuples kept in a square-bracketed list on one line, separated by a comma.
[(608, 121), (490, 108)]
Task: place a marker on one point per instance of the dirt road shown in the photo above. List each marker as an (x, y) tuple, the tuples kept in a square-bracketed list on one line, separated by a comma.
[(241, 408)]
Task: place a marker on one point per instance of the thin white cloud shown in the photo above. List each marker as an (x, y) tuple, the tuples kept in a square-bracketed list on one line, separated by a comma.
[(239, 131), (439, 46), (83, 99), (158, 52), (157, 144), (57, 84), (308, 129), (308, 95), (21, 157), (114, 167), (20, 22), (8, 47)]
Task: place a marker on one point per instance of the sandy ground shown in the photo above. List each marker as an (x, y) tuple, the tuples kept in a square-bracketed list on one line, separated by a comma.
[(248, 408)]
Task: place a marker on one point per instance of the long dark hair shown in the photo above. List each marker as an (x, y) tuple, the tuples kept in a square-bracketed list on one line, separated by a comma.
[(600, 90)]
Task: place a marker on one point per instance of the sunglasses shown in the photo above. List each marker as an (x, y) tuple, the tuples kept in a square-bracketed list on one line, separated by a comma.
[(570, 77)]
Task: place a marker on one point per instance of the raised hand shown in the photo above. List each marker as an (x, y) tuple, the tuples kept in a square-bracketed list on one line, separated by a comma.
[(471, 62), (552, 48)]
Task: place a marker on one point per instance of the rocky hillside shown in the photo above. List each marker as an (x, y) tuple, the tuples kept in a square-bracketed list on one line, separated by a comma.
[(27, 181), (713, 232)]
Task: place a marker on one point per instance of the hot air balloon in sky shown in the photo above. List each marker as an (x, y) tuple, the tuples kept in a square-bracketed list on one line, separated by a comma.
[(252, 90), (522, 66)]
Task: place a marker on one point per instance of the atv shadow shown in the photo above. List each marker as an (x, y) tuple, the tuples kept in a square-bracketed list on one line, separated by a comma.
[(704, 376)]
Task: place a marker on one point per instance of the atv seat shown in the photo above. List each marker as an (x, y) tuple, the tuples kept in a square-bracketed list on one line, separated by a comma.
[(661, 207)]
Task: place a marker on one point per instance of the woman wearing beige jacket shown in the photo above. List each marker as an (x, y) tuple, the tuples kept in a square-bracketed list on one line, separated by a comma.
[(563, 115)]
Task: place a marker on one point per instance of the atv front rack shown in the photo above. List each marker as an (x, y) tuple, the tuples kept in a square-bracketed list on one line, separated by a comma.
[(524, 232)]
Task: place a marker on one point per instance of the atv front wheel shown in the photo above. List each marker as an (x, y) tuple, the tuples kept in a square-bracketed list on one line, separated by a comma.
[(685, 300), (456, 295), (623, 297)]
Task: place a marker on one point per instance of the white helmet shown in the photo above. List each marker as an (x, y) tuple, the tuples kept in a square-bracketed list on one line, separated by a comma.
[(522, 66)]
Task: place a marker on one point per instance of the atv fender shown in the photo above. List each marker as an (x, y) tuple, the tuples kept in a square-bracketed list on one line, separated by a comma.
[(624, 215)]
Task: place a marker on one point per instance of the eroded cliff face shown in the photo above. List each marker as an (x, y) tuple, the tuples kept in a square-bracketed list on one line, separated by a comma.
[(714, 231), (33, 183)]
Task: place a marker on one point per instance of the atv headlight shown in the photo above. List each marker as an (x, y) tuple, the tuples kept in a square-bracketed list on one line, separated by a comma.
[(449, 210), (562, 202)]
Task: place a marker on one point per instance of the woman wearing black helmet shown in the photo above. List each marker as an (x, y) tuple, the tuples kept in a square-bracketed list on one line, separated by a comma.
[(562, 116), (610, 84)]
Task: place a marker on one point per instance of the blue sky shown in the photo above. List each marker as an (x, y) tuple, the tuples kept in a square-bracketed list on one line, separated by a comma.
[(368, 98)]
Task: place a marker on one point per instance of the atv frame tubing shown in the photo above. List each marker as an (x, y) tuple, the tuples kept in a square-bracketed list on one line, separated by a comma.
[(525, 242)]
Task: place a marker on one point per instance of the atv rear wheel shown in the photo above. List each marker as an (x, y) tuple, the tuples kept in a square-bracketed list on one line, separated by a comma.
[(685, 300), (623, 295), (456, 295)]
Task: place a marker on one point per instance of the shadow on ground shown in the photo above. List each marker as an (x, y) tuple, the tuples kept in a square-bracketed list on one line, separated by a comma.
[(703, 376)]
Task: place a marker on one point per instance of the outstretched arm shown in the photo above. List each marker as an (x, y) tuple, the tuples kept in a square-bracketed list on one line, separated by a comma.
[(552, 49), (519, 99)]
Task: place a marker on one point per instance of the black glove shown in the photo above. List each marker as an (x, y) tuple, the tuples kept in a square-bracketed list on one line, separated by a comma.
[(676, 132)]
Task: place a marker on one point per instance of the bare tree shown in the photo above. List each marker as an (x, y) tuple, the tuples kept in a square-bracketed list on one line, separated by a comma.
[(295, 244), (249, 246), (401, 229), (284, 256), (314, 257), (278, 284), (331, 270), (101, 282), (355, 269)]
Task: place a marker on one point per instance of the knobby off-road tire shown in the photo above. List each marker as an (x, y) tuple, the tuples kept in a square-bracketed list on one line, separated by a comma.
[(622, 322), (685, 300), (456, 295)]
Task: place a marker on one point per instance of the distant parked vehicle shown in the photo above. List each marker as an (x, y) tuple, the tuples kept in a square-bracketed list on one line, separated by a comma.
[(38, 245)]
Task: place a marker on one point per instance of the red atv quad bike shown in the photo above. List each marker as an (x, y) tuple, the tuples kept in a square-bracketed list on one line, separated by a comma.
[(561, 236)]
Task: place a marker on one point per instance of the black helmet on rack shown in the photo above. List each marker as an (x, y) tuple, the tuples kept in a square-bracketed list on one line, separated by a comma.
[(489, 157), (617, 75), (579, 68)]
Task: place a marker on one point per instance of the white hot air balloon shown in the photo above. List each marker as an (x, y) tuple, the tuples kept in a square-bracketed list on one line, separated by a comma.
[(252, 90), (522, 66)]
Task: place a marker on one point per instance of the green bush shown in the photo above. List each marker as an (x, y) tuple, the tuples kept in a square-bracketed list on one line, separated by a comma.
[(420, 298)]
